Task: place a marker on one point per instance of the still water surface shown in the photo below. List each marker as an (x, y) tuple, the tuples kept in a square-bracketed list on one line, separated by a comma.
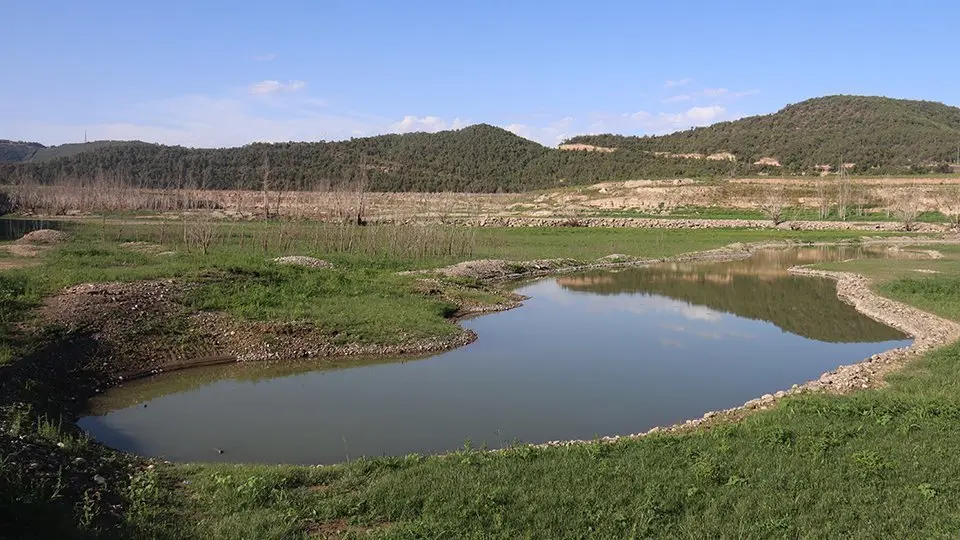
[(14, 228), (593, 354)]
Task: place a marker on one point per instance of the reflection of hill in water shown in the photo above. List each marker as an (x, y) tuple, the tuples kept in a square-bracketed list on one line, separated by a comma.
[(755, 288), (139, 391)]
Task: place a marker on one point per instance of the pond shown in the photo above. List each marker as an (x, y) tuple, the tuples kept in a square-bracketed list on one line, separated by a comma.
[(14, 228), (591, 354)]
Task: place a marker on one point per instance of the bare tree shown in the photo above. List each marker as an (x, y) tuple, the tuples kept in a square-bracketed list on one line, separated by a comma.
[(950, 205), (201, 232), (360, 187), (823, 198), (266, 185), (774, 203), (906, 208), (843, 191)]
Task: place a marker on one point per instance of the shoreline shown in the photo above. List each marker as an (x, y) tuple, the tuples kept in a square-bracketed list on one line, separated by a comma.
[(928, 331)]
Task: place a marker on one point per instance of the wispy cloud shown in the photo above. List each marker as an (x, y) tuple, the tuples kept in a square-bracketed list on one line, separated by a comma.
[(714, 92), (265, 57), (660, 122), (271, 87), (430, 124), (677, 83), (677, 99), (711, 94)]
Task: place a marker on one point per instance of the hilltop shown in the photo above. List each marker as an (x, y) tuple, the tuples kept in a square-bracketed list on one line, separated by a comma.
[(14, 151), (478, 158), (876, 134)]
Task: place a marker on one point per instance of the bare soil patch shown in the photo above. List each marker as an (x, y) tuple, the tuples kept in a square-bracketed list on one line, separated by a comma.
[(44, 236)]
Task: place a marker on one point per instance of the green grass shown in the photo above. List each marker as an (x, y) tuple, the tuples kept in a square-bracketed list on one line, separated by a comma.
[(876, 464), (362, 299)]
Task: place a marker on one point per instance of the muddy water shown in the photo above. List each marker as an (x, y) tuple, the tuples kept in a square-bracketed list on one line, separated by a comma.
[(587, 355)]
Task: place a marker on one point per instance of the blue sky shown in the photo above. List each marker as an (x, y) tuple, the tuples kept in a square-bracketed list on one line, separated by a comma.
[(212, 73)]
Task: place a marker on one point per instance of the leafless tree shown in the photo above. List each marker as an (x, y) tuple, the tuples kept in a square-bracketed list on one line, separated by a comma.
[(823, 198), (360, 187), (266, 185), (774, 203), (950, 205), (906, 209), (843, 191), (201, 232)]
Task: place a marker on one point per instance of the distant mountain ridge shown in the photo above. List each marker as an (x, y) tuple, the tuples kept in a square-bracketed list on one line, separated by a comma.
[(878, 135)]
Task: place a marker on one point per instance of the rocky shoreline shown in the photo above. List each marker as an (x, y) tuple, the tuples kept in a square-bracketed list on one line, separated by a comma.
[(690, 223)]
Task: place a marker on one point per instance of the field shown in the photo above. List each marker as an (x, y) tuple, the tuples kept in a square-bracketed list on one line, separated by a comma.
[(873, 463)]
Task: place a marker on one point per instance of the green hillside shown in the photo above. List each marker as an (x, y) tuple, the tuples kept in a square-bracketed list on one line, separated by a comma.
[(479, 158), (878, 134), (13, 151)]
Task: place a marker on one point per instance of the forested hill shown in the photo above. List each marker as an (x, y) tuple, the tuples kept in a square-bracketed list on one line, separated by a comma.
[(476, 158), (875, 133), (33, 152), (13, 151), (878, 135)]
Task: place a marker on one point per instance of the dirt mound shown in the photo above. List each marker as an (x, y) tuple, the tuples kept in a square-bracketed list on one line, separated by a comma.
[(301, 260), (496, 268), (44, 236)]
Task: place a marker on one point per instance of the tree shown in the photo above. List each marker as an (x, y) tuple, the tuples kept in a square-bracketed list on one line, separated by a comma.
[(950, 206), (906, 208), (266, 185), (774, 203), (823, 198)]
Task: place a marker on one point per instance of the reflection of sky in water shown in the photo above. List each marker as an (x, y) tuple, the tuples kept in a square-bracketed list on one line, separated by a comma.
[(568, 364)]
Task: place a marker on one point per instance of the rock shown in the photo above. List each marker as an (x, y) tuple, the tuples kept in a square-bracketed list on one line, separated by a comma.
[(613, 257), (302, 260), (100, 480)]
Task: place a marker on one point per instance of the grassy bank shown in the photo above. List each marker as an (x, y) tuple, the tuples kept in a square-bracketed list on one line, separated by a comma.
[(361, 299), (813, 466), (877, 463)]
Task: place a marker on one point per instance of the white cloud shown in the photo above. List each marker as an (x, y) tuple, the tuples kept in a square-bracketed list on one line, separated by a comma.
[(677, 83), (271, 87), (551, 134), (265, 57), (207, 121), (701, 115), (714, 92), (430, 124), (677, 99)]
